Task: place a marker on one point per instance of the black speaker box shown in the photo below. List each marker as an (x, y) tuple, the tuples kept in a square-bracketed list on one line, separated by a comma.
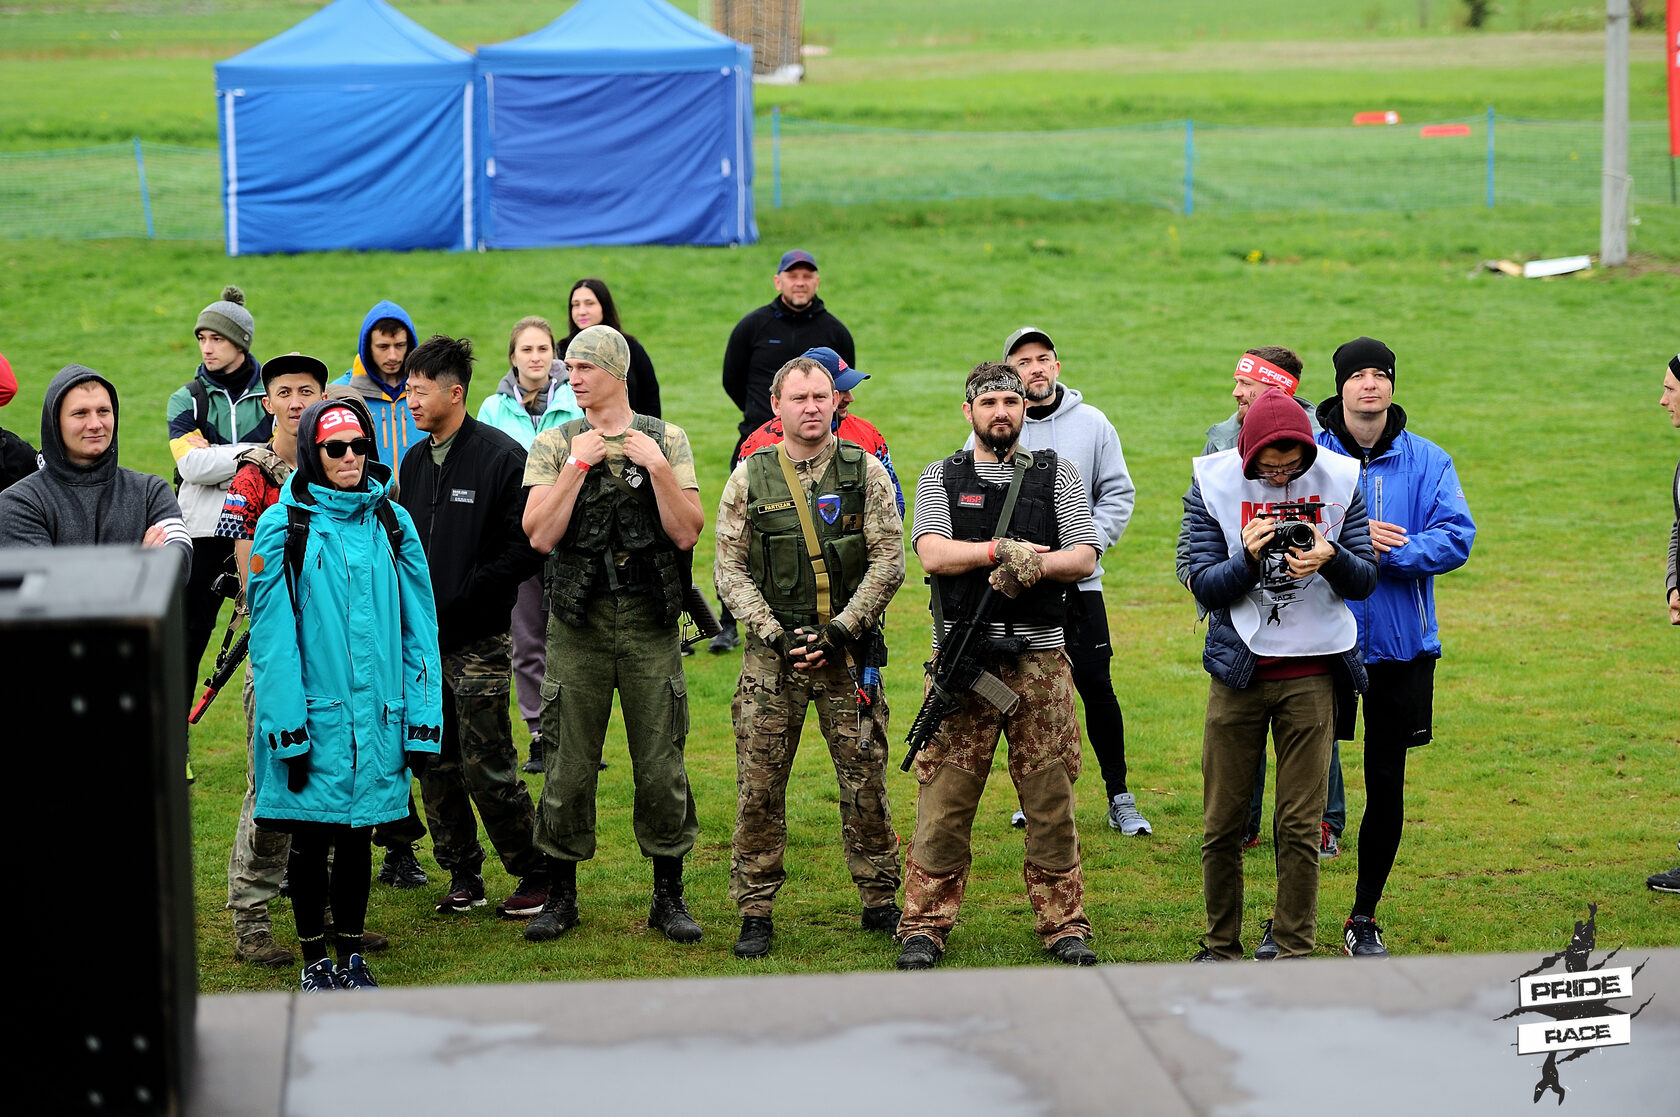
[(91, 660)]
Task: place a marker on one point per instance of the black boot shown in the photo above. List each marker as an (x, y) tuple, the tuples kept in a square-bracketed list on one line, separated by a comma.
[(534, 766), (669, 914), (560, 911)]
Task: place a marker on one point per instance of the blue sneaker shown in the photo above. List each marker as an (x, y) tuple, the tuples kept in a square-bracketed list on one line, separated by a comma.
[(318, 977), (354, 974)]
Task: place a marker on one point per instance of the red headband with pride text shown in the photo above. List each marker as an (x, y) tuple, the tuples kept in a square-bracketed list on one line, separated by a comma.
[(1259, 368)]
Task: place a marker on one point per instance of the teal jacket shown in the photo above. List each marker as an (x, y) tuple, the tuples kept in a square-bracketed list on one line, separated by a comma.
[(351, 679), (504, 411)]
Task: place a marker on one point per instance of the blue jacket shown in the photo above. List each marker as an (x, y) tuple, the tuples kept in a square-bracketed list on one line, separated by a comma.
[(393, 425), (1409, 481), (1218, 578), (351, 679)]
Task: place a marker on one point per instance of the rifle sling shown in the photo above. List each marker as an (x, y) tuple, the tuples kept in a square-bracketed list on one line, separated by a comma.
[(1021, 460), (808, 527)]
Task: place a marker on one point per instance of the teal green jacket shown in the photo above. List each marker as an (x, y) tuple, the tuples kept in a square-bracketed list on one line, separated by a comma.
[(504, 411), (350, 679)]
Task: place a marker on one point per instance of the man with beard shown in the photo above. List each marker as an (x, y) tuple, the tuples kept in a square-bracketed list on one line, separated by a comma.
[(1048, 543), (1058, 418), (762, 342)]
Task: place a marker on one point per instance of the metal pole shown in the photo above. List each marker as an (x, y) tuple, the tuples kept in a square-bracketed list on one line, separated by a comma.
[(1189, 167), (1490, 158), (145, 195), (1612, 229), (776, 156)]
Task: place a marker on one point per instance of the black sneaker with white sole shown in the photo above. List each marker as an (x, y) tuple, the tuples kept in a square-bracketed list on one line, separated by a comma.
[(1362, 938), (466, 891), (1268, 948)]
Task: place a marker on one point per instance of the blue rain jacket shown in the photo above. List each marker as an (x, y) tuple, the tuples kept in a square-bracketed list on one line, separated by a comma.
[(352, 678)]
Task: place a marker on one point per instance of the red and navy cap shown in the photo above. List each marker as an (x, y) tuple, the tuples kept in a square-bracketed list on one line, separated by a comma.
[(796, 256), (845, 376)]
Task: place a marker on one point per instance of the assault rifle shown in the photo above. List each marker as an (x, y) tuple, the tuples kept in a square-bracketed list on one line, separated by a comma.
[(227, 662), (871, 657), (956, 669), (700, 616)]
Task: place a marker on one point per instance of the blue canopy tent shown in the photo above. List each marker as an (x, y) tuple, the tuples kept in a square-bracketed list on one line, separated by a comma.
[(622, 122), (353, 129)]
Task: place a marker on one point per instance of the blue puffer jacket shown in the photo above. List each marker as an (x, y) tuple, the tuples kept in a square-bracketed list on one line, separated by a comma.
[(351, 679), (1411, 482), (1218, 578)]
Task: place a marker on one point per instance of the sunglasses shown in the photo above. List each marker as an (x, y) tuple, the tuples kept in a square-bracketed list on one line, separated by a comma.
[(357, 446)]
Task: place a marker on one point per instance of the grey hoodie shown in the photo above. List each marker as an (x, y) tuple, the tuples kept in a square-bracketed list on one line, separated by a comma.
[(1084, 436), (67, 505)]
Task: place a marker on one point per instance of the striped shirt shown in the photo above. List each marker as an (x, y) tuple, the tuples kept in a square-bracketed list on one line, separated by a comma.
[(1074, 526)]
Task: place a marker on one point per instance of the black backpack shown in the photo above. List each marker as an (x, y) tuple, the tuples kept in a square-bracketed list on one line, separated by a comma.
[(297, 540)]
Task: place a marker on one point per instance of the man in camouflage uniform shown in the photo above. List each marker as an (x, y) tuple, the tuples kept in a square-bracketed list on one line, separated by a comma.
[(463, 486), (1048, 543), (614, 497), (807, 619)]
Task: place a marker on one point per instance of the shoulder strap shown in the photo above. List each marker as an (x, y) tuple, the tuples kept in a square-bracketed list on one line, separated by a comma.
[(1021, 461), (393, 529), (297, 540), (200, 397), (808, 527)]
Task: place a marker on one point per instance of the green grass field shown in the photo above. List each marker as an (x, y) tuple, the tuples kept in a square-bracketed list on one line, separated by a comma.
[(1552, 781)]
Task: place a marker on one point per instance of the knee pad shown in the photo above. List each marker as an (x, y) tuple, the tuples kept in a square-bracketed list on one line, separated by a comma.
[(1047, 799), (945, 819)]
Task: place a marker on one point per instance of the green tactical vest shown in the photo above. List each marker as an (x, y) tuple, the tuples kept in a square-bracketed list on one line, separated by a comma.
[(777, 556), (613, 519)]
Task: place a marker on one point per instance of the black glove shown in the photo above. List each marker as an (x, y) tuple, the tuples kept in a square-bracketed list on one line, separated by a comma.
[(779, 643), (297, 773), (829, 645), (420, 762)]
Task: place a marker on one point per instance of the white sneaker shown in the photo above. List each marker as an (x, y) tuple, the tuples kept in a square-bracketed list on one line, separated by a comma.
[(1123, 816)]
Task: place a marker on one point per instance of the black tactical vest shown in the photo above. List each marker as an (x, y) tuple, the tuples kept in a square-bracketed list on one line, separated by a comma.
[(777, 556), (615, 542), (975, 507)]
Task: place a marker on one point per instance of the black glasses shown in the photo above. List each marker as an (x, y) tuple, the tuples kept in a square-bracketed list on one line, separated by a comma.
[(357, 446), (1281, 473)]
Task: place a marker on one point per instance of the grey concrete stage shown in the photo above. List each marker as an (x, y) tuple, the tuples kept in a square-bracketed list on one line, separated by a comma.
[(1321, 1038)]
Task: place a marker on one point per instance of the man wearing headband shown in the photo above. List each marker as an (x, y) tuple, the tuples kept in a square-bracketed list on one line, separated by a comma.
[(614, 497), (1670, 401), (1048, 544), (1420, 527), (1279, 636)]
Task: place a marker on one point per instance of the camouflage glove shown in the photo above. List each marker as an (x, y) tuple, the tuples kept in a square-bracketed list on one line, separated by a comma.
[(779, 644), (1018, 567)]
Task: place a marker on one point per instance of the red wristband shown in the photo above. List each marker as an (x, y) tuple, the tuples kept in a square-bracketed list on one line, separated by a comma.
[(991, 552)]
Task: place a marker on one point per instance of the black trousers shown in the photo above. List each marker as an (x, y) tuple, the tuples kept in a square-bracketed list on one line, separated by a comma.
[(1088, 647), (346, 883), (1399, 711), (201, 605)]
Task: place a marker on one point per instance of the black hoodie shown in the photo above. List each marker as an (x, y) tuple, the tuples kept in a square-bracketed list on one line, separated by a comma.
[(66, 505)]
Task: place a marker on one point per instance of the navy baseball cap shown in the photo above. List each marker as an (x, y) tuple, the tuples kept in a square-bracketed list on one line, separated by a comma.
[(845, 376), (796, 256)]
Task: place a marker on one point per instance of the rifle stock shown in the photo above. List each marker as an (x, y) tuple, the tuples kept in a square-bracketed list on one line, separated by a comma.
[(226, 664), (956, 669)]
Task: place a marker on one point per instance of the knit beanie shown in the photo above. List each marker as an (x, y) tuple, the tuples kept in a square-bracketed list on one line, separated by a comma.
[(1275, 417), (228, 317), (1362, 352)]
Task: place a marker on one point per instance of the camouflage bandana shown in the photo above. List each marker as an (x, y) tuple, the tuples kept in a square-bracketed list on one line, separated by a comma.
[(1005, 381), (603, 347)]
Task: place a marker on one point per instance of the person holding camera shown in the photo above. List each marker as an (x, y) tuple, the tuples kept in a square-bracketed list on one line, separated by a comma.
[(810, 549), (1277, 542), (1420, 527)]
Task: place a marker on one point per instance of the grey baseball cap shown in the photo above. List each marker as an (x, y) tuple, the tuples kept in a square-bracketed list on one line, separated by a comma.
[(1023, 335)]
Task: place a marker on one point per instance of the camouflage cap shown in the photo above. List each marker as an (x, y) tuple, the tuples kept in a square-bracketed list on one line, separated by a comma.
[(603, 347)]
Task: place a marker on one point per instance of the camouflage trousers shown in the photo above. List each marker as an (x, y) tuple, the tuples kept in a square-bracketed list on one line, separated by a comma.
[(258, 859), (478, 766), (1044, 760), (771, 699), (622, 646)]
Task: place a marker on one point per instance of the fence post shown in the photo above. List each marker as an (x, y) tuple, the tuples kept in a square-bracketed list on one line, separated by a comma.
[(1189, 167), (145, 195), (1490, 158), (776, 156)]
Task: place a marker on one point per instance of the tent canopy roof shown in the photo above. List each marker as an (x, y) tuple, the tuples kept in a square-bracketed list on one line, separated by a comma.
[(359, 41), (617, 37)]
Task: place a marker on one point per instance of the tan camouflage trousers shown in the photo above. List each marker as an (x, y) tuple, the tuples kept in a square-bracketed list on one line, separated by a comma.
[(769, 711), (258, 858), (478, 766), (1044, 760)]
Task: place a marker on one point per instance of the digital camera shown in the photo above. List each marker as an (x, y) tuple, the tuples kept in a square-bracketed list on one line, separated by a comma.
[(1294, 529)]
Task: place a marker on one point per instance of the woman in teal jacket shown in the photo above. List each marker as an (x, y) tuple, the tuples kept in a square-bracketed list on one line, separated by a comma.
[(531, 398), (344, 661)]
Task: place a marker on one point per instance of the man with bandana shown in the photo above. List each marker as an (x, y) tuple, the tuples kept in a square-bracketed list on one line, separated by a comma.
[(1048, 544), (810, 549)]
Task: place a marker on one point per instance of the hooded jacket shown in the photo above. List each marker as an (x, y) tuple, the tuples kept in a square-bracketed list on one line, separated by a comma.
[(66, 505), (350, 678), (505, 408), (769, 338), (233, 413), (393, 425), (1083, 435), (468, 513), (1223, 435), (1409, 481), (1219, 578)]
